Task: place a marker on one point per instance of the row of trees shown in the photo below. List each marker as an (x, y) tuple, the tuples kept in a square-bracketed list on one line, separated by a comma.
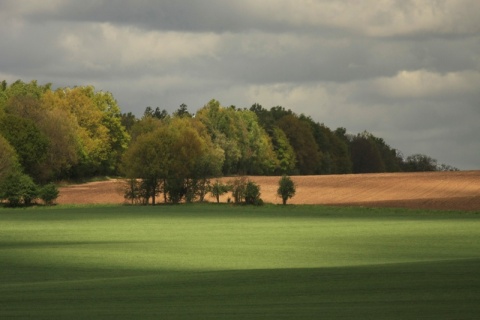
[(319, 150), (76, 133), (278, 141), (176, 155)]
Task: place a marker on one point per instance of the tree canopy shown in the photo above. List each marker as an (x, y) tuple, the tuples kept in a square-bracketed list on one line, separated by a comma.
[(79, 132)]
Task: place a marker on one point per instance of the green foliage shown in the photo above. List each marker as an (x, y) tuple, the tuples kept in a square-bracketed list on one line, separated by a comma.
[(366, 157), (8, 158), (144, 126), (245, 191), (66, 133), (179, 153), (446, 167), (207, 166), (30, 143), (149, 158), (341, 161), (218, 189), (95, 118), (57, 126), (182, 112), (117, 137), (77, 133), (131, 190), (286, 188), (420, 163), (48, 193), (176, 189), (247, 147), (303, 142), (238, 187), (284, 151), (252, 194), (18, 188), (128, 120), (156, 114)]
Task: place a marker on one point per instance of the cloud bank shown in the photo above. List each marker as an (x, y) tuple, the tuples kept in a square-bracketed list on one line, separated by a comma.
[(407, 71)]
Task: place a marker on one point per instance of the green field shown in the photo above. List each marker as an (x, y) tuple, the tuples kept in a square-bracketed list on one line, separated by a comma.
[(224, 262)]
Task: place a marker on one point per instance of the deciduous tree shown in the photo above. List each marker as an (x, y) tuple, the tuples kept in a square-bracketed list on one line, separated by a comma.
[(252, 194), (286, 188), (420, 163), (8, 158), (303, 142), (30, 144), (218, 189)]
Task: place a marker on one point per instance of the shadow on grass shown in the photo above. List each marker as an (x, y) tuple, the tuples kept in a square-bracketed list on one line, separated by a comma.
[(436, 290)]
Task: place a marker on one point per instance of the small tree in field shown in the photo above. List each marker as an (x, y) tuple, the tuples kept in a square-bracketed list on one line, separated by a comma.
[(245, 191), (131, 190), (286, 188), (252, 194), (238, 187), (217, 189)]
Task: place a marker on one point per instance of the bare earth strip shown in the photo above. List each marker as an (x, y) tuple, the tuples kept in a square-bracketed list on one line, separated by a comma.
[(433, 190)]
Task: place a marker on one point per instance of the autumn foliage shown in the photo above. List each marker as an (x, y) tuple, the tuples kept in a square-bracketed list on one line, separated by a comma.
[(76, 133)]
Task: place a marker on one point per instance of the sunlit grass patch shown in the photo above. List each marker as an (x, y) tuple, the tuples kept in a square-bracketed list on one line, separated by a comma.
[(225, 261)]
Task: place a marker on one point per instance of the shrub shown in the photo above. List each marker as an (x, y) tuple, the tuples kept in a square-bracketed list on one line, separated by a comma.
[(18, 188), (252, 194), (30, 190), (49, 193), (246, 191)]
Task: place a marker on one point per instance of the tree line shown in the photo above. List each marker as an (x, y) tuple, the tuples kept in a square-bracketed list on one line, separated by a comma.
[(50, 135), (76, 133)]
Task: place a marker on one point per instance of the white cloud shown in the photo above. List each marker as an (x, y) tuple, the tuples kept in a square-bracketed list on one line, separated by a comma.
[(425, 84), (377, 18), (104, 46)]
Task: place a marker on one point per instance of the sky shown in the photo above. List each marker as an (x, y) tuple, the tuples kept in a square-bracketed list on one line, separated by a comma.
[(407, 71)]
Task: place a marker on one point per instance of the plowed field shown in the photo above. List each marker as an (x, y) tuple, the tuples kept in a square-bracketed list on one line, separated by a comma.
[(433, 190)]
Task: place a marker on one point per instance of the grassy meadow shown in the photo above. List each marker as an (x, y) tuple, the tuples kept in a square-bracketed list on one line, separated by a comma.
[(225, 262)]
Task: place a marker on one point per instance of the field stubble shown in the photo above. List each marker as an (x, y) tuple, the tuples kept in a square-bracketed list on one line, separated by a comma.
[(429, 190)]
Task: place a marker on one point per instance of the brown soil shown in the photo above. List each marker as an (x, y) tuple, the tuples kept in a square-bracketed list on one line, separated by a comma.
[(434, 190)]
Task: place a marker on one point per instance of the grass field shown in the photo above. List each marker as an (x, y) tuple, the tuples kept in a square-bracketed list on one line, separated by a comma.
[(218, 261)]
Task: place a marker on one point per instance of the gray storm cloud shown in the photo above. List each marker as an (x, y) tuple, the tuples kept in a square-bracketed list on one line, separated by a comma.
[(407, 71)]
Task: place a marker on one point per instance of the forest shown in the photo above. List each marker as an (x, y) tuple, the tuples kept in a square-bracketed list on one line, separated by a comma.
[(72, 134)]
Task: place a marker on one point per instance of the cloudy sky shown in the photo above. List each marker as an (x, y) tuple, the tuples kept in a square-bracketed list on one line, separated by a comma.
[(407, 70)]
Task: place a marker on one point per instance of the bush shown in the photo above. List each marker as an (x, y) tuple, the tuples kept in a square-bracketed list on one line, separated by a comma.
[(286, 188), (252, 194), (49, 193), (18, 188), (246, 191), (30, 190)]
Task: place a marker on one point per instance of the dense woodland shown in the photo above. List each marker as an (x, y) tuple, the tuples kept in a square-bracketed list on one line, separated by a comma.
[(49, 135)]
